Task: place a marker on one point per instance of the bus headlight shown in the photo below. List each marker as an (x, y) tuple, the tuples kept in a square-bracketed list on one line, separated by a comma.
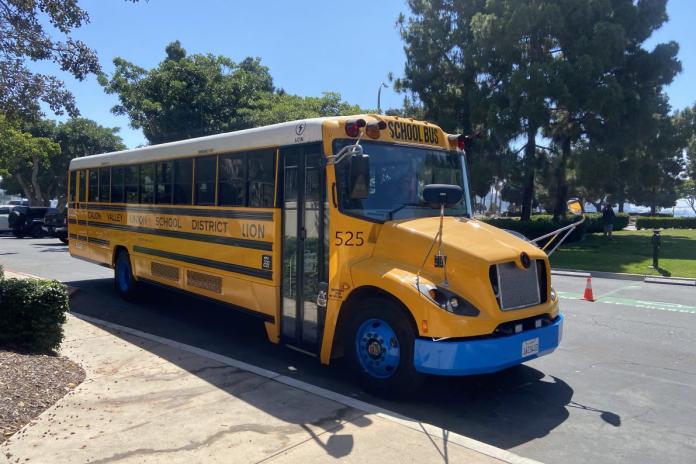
[(554, 296), (448, 300)]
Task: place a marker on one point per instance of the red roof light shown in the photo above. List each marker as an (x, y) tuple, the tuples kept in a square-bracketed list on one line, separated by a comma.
[(353, 127)]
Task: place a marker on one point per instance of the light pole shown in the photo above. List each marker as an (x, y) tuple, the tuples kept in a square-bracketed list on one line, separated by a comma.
[(379, 96)]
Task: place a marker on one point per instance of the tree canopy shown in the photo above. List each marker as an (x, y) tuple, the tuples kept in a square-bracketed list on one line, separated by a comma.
[(34, 159), (25, 37), (574, 73), (195, 95)]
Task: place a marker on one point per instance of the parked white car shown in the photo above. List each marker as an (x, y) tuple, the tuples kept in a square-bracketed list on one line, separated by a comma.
[(4, 215)]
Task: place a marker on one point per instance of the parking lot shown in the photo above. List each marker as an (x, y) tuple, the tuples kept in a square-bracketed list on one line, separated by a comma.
[(620, 389)]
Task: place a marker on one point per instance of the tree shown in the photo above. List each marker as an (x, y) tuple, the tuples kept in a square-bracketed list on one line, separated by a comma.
[(22, 157), (687, 191), (272, 108), (187, 96), (79, 137), (686, 122), (574, 71), (34, 160), (660, 162), (24, 37)]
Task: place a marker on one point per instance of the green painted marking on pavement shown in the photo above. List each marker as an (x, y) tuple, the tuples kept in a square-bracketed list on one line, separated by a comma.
[(658, 305)]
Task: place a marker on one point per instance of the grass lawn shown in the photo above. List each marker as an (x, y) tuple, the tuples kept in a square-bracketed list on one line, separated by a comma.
[(630, 251)]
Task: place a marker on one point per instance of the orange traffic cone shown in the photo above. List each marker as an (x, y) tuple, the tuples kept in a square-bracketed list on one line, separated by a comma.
[(588, 290)]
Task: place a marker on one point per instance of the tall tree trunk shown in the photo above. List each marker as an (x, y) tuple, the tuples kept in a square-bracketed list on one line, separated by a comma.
[(561, 204), (529, 165), (27, 188), (35, 183)]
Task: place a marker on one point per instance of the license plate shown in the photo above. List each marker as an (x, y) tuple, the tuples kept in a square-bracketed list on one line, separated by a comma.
[(530, 347)]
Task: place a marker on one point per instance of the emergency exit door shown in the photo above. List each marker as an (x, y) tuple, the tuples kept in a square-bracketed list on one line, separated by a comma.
[(305, 238)]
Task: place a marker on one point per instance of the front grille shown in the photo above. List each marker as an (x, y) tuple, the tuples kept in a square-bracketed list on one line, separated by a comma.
[(517, 288)]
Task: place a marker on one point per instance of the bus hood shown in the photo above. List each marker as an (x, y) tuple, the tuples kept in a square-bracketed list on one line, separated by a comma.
[(466, 242)]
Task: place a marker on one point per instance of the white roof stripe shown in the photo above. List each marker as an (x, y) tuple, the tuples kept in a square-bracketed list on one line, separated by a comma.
[(287, 133)]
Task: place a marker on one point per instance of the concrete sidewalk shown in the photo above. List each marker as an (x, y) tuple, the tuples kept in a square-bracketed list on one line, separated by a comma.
[(144, 401)]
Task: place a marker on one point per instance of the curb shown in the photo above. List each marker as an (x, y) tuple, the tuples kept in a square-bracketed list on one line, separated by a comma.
[(621, 276), (428, 429)]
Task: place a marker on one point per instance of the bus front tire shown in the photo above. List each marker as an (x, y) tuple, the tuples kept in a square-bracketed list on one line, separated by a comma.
[(124, 282), (380, 347)]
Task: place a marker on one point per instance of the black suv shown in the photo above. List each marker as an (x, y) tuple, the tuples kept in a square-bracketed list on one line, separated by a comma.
[(56, 225), (27, 220)]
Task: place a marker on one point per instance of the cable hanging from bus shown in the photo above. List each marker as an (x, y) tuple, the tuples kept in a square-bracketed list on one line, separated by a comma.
[(347, 236)]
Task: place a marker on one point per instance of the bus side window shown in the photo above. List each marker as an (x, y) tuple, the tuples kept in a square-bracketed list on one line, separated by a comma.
[(104, 184), (147, 183), (163, 191), (261, 179), (117, 175), (71, 187), (232, 180), (183, 181), (131, 183), (205, 180), (93, 185), (81, 179)]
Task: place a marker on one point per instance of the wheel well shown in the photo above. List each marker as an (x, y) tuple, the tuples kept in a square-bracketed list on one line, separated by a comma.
[(117, 249), (352, 305)]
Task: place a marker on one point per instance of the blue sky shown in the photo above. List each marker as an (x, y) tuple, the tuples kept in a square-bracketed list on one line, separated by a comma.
[(310, 46)]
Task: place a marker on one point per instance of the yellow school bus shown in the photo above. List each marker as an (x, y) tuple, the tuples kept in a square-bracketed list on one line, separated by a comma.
[(347, 236)]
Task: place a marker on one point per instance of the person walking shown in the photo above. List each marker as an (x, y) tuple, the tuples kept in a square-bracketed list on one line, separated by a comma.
[(608, 219)]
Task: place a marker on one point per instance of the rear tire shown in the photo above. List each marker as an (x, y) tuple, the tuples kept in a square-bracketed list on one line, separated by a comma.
[(379, 347), (18, 233), (124, 281)]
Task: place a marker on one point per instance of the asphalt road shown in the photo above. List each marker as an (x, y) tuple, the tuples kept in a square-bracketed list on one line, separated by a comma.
[(621, 388)]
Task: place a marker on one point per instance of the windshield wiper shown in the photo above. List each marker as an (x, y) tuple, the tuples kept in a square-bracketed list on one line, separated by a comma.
[(402, 206)]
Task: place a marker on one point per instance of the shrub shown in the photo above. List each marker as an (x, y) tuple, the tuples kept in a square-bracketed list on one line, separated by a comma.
[(543, 224), (32, 314), (666, 223)]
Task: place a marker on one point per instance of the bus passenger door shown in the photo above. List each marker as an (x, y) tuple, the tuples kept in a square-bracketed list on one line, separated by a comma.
[(305, 236)]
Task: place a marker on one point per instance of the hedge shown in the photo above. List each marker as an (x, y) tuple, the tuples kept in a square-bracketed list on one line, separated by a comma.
[(543, 224), (666, 223), (32, 314)]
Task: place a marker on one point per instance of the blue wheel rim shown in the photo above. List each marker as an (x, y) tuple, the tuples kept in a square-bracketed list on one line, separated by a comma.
[(123, 276), (378, 348)]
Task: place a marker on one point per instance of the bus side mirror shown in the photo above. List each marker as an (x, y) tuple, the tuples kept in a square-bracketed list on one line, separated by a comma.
[(359, 174), (437, 195)]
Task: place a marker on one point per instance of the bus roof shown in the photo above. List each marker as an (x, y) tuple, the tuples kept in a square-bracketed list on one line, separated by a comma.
[(286, 133)]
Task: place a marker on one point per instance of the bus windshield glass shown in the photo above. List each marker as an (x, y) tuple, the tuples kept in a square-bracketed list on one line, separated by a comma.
[(398, 174)]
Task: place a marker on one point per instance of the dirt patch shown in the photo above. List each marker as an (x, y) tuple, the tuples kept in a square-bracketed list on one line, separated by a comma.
[(30, 384)]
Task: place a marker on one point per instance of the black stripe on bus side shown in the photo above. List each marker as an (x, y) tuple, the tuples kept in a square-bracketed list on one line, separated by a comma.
[(236, 268), (84, 238), (237, 242), (254, 215), (98, 241)]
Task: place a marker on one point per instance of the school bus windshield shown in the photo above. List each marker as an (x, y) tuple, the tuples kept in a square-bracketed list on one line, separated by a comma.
[(398, 174)]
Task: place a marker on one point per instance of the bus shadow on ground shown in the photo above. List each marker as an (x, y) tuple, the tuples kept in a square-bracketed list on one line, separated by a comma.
[(505, 409)]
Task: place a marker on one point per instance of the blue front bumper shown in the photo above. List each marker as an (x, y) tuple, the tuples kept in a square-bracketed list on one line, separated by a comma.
[(486, 355)]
